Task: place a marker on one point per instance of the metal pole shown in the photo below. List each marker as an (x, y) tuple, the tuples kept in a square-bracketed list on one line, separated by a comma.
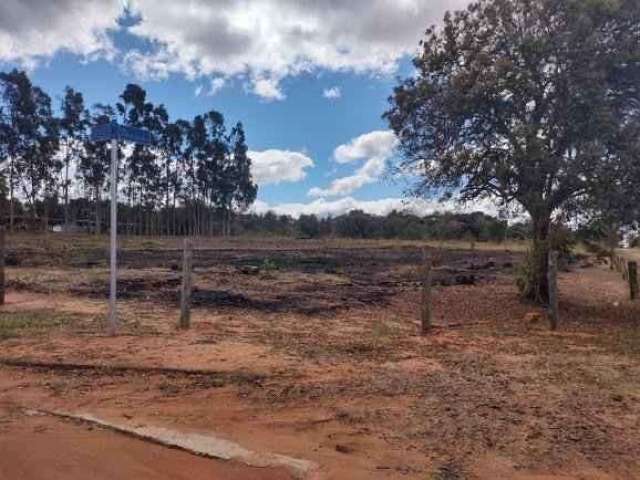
[(113, 317)]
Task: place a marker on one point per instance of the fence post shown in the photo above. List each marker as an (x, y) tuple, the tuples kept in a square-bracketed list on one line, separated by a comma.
[(553, 289), (185, 297), (2, 262), (633, 280), (425, 313)]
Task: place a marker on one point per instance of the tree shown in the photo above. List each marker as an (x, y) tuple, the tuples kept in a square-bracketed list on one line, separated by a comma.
[(95, 161), (17, 108), (309, 226), (194, 171), (31, 141), (135, 111), (357, 224), (526, 101), (243, 190), (73, 125)]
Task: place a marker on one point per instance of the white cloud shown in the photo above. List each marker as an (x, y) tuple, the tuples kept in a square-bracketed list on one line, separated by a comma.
[(332, 93), (325, 208), (268, 40), (268, 88), (379, 143), (375, 148), (276, 166), (263, 41), (31, 30), (217, 84)]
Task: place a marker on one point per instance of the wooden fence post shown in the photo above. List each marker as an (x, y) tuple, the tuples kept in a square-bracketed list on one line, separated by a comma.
[(425, 313), (553, 289), (185, 297), (633, 280), (2, 262)]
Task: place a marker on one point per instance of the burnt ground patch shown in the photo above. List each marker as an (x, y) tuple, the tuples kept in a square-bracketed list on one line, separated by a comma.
[(306, 281)]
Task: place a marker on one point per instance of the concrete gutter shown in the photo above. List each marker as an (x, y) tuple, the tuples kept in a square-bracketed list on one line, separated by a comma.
[(207, 445)]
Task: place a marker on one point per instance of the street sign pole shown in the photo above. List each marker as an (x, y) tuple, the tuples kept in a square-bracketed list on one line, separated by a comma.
[(113, 316), (113, 132)]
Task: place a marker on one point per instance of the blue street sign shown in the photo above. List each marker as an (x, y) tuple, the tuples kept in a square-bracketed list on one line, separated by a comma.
[(134, 135), (102, 133), (109, 131)]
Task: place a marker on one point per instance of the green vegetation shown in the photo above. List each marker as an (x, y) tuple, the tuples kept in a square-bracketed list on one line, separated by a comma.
[(16, 324), (396, 225), (189, 182)]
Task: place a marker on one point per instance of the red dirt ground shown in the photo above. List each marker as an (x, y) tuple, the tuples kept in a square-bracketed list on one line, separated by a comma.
[(43, 447), (490, 394)]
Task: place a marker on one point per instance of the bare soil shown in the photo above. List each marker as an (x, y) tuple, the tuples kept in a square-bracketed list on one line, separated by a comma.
[(34, 448), (316, 355)]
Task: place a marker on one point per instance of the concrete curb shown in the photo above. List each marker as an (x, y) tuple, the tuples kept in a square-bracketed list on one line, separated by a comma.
[(207, 445)]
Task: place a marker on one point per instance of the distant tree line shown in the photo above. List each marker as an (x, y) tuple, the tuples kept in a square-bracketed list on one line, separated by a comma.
[(475, 226), (191, 181)]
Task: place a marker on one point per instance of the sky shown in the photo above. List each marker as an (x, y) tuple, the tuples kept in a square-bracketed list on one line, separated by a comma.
[(309, 79)]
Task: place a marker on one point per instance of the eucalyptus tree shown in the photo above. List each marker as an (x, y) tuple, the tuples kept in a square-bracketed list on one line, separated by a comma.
[(170, 144), (526, 101), (215, 170), (243, 191), (17, 108), (196, 165), (31, 137), (94, 162), (141, 171), (73, 130)]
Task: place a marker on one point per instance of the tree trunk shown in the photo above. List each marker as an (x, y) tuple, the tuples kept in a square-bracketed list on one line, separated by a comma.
[(537, 285), (11, 203), (97, 226), (45, 214), (66, 194), (173, 215)]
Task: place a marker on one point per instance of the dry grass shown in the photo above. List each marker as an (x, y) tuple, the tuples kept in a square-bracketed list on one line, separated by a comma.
[(32, 323), (61, 242)]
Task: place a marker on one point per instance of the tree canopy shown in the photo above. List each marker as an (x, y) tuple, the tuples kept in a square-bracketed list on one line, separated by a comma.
[(195, 175), (528, 101)]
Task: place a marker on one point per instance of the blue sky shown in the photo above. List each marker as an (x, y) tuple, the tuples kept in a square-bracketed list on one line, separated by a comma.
[(309, 79)]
